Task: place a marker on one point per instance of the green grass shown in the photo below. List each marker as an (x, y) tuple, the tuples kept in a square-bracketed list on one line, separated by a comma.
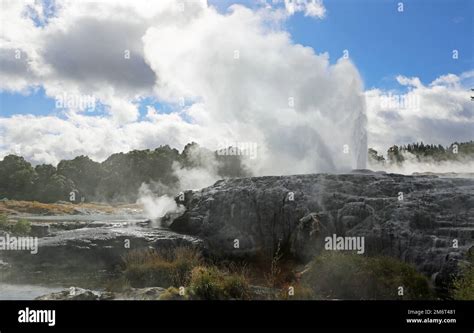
[(352, 276), (463, 285), (183, 267), (3, 222), (328, 276), (150, 268), (22, 227), (172, 294), (211, 283)]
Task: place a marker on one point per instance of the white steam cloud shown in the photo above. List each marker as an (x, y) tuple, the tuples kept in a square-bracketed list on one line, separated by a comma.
[(156, 207), (412, 165), (158, 200), (240, 75)]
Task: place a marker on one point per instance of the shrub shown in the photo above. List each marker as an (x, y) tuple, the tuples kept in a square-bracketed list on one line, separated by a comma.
[(463, 286), (336, 276), (3, 222), (148, 268), (21, 227), (184, 260), (352, 276), (390, 273), (236, 286), (275, 267), (172, 294), (210, 283), (206, 283)]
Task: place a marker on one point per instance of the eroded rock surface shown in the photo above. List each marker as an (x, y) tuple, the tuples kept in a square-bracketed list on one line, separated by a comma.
[(76, 293), (422, 227), (95, 247)]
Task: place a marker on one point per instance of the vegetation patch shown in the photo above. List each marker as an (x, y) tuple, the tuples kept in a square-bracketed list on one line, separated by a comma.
[(463, 285), (22, 227), (172, 294), (149, 268), (3, 222), (351, 276), (182, 267), (35, 207), (210, 283)]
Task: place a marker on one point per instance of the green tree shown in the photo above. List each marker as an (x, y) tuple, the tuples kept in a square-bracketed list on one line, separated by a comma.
[(17, 178), (375, 157)]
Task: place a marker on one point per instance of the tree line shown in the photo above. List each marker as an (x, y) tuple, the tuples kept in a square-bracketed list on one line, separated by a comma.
[(457, 151), (118, 178)]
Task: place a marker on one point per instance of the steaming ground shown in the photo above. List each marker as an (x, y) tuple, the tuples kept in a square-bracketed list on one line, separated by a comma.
[(155, 207), (411, 165), (158, 200)]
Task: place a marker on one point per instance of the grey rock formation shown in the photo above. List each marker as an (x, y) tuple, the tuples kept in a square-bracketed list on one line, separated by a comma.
[(300, 211), (76, 293), (93, 248)]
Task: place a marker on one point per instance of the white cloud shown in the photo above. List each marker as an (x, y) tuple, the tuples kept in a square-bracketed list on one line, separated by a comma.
[(190, 54), (313, 8), (408, 81), (49, 139), (251, 94), (443, 113)]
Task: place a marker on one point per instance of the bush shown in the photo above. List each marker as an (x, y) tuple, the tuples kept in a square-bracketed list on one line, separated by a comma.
[(236, 286), (172, 294), (210, 283), (390, 273), (183, 266), (184, 260), (206, 283), (352, 276), (149, 268), (3, 222), (21, 227), (463, 286)]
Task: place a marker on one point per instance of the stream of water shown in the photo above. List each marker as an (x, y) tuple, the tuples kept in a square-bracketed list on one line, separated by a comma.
[(10, 290)]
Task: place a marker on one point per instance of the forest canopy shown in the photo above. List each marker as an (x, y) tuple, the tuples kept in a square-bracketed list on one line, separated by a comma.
[(118, 178)]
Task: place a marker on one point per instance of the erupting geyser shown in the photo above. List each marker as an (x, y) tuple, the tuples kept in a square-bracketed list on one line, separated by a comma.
[(305, 114)]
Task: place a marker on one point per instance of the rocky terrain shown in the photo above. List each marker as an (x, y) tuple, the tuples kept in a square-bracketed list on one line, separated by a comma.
[(425, 220), (20, 207), (83, 249)]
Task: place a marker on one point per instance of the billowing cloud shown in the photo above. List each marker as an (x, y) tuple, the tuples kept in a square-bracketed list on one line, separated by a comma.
[(438, 113), (241, 76), (263, 87), (313, 8), (230, 78)]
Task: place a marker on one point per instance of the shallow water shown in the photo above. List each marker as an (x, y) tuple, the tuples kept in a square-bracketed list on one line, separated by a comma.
[(85, 218), (26, 280), (24, 291)]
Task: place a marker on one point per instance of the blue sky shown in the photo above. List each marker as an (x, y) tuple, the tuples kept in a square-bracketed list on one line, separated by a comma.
[(381, 41)]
